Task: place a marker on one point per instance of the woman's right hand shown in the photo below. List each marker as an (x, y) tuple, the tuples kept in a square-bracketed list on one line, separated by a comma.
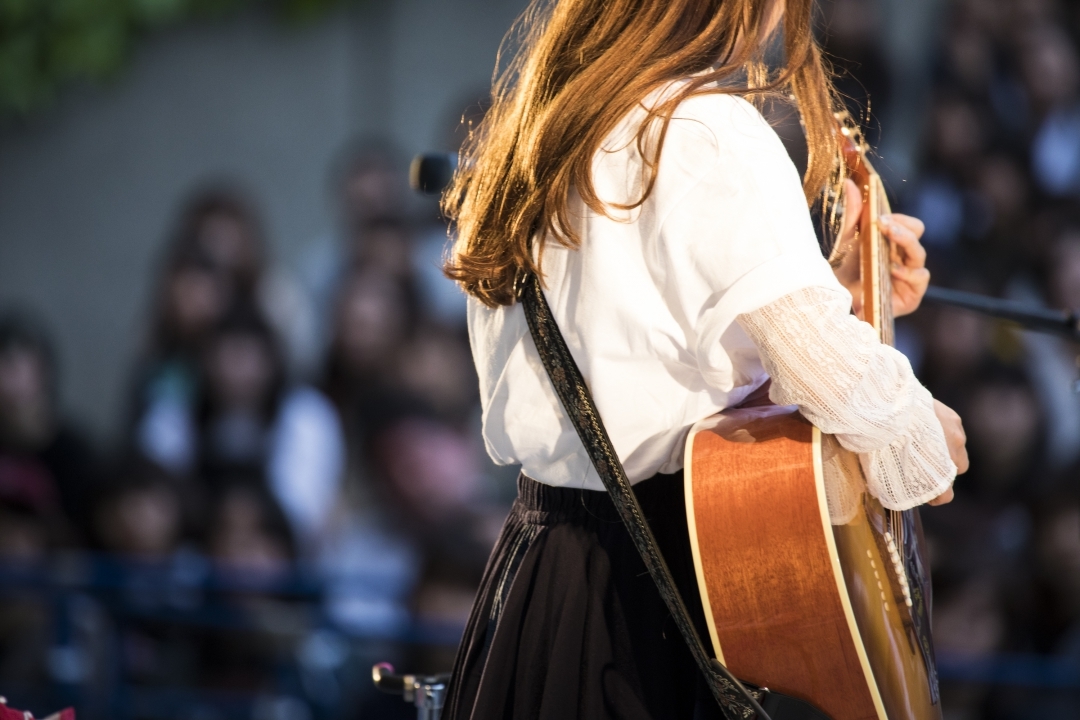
[(956, 439)]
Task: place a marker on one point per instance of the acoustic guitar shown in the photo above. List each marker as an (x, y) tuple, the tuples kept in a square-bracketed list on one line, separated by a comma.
[(828, 605)]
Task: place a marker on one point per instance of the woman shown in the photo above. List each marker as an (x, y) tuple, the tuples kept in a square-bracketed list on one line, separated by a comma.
[(621, 160)]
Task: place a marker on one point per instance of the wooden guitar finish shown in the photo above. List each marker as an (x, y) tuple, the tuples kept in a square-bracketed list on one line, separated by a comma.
[(836, 615)]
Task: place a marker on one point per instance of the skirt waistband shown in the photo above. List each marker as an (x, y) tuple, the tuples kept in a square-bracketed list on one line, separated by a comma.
[(576, 503)]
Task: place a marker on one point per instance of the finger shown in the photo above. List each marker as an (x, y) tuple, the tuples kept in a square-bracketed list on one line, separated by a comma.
[(906, 240), (917, 277), (913, 224), (943, 498)]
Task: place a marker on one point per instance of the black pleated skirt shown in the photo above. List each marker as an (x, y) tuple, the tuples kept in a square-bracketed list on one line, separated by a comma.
[(568, 624)]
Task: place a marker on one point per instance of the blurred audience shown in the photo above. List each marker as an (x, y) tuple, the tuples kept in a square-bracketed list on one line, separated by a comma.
[(47, 466), (216, 262), (998, 187), (332, 424)]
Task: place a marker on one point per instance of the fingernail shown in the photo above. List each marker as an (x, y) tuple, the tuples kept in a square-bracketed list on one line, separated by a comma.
[(885, 220)]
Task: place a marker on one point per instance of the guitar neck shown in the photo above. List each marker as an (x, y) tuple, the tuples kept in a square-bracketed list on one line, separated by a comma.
[(875, 253), (874, 249)]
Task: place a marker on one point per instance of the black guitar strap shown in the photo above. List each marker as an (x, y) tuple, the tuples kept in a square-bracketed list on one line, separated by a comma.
[(737, 702)]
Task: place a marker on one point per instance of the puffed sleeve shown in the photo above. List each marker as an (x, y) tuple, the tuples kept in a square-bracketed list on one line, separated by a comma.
[(736, 233)]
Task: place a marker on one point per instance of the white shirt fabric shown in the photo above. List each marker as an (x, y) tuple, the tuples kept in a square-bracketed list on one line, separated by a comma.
[(649, 303)]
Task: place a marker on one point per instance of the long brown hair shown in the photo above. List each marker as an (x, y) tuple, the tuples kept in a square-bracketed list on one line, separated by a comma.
[(581, 66)]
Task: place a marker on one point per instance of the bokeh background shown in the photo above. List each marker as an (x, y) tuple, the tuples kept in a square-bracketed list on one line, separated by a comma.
[(239, 428)]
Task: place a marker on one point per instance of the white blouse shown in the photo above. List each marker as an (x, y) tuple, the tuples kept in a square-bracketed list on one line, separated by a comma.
[(685, 305)]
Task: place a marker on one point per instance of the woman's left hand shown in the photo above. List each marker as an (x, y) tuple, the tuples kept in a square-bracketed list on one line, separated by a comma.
[(910, 278)]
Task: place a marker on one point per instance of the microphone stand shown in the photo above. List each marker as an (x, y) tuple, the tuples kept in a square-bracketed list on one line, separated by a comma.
[(1064, 323)]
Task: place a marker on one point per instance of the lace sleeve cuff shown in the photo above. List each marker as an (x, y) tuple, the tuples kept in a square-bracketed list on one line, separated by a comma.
[(834, 368)]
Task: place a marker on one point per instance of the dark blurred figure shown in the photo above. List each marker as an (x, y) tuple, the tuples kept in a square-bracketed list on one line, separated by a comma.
[(370, 178), (1048, 620), (193, 299), (221, 225), (144, 513), (247, 530), (1057, 562), (243, 383), (436, 490), (385, 360), (436, 366), (945, 197), (375, 316), (1051, 70), (369, 188), (47, 475), (216, 261), (250, 419), (243, 415), (249, 540), (1005, 428), (853, 41), (47, 467)]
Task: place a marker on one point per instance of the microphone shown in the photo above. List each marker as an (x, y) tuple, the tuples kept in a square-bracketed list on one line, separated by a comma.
[(430, 173)]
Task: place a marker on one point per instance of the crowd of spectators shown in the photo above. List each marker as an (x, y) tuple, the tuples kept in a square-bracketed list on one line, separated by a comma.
[(320, 421), (323, 414)]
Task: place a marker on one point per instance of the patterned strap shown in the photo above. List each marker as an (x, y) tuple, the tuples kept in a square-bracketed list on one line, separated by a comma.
[(735, 700)]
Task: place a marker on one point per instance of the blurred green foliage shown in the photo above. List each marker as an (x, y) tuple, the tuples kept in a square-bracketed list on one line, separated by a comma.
[(45, 44)]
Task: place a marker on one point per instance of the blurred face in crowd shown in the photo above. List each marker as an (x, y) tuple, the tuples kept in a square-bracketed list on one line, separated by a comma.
[(956, 133), (971, 622), (1004, 185), (374, 191), (852, 23), (986, 14), (229, 243), (196, 298), (371, 322), (971, 56), (438, 368), (25, 398), (1002, 424), (386, 248), (431, 467), (240, 370), (1058, 548), (1034, 11), (142, 521), (1065, 277), (1050, 66), (22, 537), (240, 538), (958, 339)]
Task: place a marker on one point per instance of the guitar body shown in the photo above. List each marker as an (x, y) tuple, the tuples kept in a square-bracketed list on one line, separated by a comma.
[(831, 608), (793, 602)]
